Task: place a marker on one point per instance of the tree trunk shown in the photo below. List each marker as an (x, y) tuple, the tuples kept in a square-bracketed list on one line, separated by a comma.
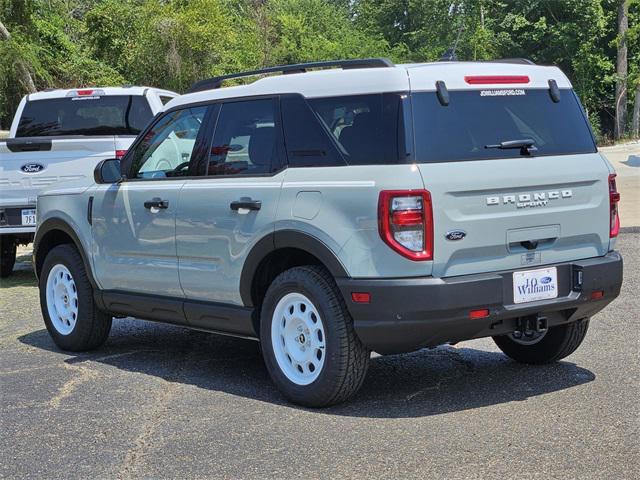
[(23, 71), (635, 123), (621, 70)]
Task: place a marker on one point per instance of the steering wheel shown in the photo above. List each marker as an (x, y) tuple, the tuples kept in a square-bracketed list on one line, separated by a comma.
[(179, 170), (181, 167)]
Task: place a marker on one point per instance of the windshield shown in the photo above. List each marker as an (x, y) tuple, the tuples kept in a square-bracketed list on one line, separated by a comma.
[(477, 119), (100, 115)]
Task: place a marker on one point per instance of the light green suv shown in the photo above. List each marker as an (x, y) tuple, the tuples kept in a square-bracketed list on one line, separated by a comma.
[(335, 208)]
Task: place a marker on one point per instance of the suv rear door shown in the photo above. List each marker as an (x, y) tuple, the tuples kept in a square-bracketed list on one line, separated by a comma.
[(498, 209), (232, 203)]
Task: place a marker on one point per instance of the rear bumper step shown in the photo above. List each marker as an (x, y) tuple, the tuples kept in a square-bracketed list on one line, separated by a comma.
[(407, 314)]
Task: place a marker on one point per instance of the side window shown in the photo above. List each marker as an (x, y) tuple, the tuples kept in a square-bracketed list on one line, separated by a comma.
[(245, 141), (367, 128), (165, 150), (307, 143)]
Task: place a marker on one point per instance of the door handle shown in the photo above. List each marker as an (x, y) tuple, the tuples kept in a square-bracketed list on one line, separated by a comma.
[(156, 203), (246, 203)]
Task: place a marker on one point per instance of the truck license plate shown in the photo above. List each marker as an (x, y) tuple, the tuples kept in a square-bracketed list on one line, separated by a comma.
[(532, 285), (29, 216)]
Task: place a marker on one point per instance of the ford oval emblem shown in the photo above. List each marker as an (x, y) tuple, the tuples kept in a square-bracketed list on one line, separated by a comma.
[(32, 168), (545, 280), (455, 235)]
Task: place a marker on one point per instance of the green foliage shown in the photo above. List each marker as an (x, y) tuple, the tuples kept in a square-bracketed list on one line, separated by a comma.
[(172, 43)]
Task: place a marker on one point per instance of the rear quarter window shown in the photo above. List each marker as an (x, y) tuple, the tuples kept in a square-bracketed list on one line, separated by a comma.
[(103, 115), (477, 118), (368, 129)]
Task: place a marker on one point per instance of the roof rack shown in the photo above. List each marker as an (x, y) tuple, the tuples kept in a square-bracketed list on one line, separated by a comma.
[(521, 61), (216, 82)]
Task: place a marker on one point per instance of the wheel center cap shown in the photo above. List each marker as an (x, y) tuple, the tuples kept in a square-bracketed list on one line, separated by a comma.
[(301, 338)]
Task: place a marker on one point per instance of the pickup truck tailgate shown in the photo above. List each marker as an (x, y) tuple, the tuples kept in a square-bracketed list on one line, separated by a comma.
[(30, 164)]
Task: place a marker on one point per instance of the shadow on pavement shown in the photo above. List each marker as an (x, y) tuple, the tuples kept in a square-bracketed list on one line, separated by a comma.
[(23, 277), (423, 383), (632, 161)]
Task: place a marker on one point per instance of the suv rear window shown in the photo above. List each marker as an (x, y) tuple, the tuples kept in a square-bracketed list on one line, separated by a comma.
[(103, 115), (473, 119)]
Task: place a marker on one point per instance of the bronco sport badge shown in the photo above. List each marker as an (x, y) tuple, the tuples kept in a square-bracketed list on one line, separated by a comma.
[(524, 200)]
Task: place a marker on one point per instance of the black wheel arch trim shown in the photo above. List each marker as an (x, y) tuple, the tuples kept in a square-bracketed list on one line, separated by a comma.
[(59, 224), (286, 239)]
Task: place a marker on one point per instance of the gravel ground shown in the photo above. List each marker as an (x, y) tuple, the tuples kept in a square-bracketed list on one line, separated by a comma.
[(160, 401)]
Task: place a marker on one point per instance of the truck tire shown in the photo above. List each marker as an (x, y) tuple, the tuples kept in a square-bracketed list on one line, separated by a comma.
[(7, 255), (66, 300), (557, 343), (309, 345)]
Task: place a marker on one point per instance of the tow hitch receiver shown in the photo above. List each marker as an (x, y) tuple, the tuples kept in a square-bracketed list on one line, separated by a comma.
[(528, 326)]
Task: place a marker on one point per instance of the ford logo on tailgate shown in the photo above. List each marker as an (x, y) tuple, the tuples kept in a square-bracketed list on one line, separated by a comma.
[(32, 168), (456, 235)]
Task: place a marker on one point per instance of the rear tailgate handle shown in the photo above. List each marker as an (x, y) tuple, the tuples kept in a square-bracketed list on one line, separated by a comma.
[(246, 203), (156, 203)]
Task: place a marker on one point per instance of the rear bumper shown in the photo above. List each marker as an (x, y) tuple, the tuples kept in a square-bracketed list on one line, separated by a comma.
[(11, 220), (411, 313)]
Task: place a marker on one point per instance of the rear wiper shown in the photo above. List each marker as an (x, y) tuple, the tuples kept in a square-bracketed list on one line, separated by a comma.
[(526, 146)]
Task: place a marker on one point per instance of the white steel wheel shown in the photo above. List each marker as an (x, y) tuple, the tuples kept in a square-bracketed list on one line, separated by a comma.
[(298, 339), (62, 299)]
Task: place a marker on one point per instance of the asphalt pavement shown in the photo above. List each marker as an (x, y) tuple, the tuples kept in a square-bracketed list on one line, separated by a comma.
[(160, 401)]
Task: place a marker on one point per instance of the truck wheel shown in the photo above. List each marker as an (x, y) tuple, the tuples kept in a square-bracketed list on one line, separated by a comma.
[(66, 301), (7, 255), (553, 345), (308, 342)]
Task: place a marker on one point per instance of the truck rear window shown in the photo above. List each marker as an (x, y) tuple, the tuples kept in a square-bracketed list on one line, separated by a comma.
[(103, 115), (474, 119)]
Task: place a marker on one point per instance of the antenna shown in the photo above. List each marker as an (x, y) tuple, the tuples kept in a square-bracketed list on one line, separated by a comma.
[(450, 54)]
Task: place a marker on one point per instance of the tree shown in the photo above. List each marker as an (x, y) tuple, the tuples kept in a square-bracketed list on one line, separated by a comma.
[(621, 70), (635, 122), (23, 71)]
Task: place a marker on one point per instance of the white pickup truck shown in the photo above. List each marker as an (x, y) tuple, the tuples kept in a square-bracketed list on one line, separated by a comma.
[(61, 135)]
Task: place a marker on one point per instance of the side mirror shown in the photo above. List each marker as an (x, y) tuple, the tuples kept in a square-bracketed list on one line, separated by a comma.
[(108, 171)]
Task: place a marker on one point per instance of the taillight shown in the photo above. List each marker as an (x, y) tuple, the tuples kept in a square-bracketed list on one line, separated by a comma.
[(120, 154), (614, 198), (405, 221)]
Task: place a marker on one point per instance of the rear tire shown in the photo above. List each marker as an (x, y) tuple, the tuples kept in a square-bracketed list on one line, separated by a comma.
[(558, 342), (66, 300), (7, 255), (308, 341)]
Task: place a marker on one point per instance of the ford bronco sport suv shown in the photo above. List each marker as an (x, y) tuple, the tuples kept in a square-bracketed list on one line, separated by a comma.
[(344, 207)]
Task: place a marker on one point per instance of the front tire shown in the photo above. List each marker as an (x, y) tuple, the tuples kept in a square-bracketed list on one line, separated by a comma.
[(7, 255), (309, 345), (66, 300), (557, 343)]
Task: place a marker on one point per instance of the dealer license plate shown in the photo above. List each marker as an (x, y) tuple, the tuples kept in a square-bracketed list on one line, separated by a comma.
[(532, 285), (29, 216)]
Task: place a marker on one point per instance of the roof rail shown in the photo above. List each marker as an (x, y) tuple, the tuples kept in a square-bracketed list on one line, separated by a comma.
[(216, 82), (522, 61)]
